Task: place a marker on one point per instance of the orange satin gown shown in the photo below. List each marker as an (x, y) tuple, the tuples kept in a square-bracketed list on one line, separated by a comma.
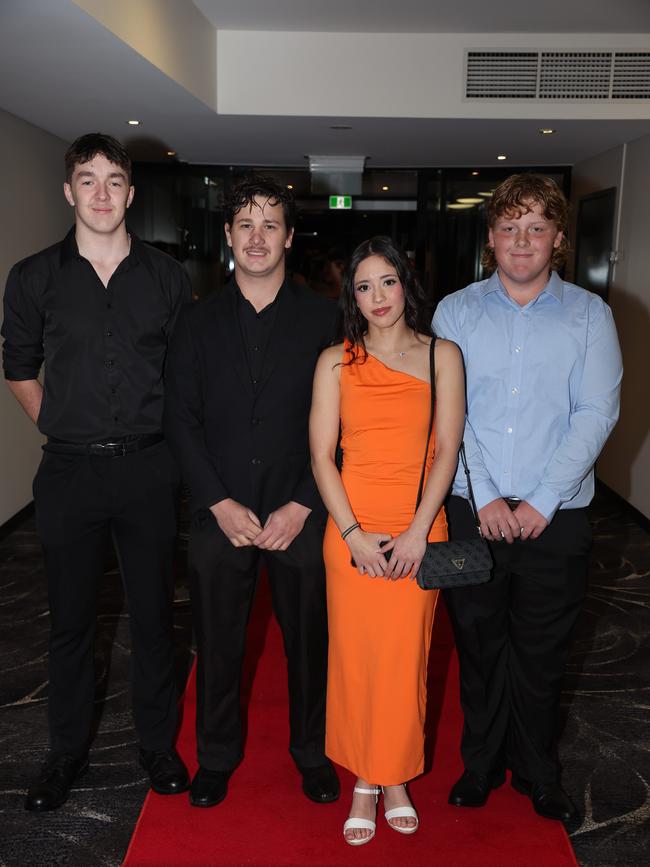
[(379, 630)]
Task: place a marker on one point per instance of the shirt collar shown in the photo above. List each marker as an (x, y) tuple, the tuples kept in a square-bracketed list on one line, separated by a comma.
[(242, 301), (70, 250), (554, 287)]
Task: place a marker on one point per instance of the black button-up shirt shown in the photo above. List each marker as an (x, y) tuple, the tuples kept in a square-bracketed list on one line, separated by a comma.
[(256, 329), (104, 348)]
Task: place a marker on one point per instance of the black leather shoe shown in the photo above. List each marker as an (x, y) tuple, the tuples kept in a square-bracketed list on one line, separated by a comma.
[(209, 788), (53, 786), (320, 784), (473, 789), (166, 771), (549, 799)]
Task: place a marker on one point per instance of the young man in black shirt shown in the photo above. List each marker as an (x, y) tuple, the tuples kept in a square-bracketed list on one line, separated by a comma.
[(236, 414), (98, 309)]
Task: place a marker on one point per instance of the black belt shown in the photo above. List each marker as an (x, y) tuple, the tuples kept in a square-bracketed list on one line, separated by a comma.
[(108, 449), (512, 502)]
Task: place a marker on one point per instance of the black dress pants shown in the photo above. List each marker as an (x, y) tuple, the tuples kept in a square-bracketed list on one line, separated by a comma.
[(223, 587), (81, 501), (513, 636)]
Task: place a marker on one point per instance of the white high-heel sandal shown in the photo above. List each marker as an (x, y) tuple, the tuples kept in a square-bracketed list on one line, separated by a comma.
[(402, 813), (361, 824)]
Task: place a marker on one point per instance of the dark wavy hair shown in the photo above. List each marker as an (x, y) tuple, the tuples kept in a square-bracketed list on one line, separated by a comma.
[(83, 149), (513, 197), (353, 325), (243, 194)]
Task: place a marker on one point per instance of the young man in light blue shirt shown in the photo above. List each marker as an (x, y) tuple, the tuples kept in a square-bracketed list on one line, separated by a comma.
[(543, 370)]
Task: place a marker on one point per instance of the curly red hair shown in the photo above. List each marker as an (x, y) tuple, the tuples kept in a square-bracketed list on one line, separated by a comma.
[(515, 196)]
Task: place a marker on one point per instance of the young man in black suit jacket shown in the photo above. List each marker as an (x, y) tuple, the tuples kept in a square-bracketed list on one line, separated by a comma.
[(238, 396)]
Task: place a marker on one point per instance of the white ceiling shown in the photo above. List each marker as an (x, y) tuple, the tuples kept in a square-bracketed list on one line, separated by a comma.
[(430, 16), (63, 71)]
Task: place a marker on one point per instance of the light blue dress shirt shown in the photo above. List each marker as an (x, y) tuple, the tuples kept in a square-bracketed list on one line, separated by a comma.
[(543, 387)]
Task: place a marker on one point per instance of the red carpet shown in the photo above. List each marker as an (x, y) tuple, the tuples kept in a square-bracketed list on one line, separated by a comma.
[(266, 820)]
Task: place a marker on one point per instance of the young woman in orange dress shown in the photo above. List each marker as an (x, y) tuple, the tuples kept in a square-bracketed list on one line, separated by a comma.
[(374, 388)]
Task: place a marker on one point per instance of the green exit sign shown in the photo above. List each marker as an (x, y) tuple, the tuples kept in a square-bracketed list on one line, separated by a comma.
[(340, 203)]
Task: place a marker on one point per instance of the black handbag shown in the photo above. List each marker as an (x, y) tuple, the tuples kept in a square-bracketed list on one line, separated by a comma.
[(464, 563)]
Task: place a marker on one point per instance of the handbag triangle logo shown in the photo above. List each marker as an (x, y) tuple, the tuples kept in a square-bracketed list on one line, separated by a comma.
[(459, 563)]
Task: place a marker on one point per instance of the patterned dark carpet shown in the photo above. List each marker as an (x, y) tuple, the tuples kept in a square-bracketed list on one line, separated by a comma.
[(604, 746), (94, 827)]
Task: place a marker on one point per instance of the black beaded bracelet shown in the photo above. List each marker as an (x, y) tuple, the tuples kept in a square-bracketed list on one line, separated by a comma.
[(347, 532)]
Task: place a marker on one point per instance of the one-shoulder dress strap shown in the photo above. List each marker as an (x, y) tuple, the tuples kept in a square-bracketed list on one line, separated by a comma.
[(352, 352)]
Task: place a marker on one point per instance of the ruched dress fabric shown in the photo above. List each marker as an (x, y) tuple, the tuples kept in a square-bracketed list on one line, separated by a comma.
[(379, 629)]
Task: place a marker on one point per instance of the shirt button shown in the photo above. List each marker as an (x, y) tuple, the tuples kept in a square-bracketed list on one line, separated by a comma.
[(109, 363), (517, 348), (515, 390), (256, 349), (509, 430), (109, 333), (256, 462), (255, 381)]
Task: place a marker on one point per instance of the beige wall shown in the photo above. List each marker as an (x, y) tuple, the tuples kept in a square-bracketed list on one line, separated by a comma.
[(625, 462), (171, 34), (393, 74), (33, 214)]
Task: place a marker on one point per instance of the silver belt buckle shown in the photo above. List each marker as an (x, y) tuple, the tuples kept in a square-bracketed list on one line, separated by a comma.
[(119, 447)]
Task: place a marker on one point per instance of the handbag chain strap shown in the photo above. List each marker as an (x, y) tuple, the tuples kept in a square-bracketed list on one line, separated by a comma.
[(472, 501)]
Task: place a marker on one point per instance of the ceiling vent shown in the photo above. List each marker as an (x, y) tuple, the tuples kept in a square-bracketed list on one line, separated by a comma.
[(557, 75), (631, 75)]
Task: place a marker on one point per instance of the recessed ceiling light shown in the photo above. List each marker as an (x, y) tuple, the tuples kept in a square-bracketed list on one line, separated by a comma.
[(487, 194), (171, 153), (340, 126), (502, 157), (474, 174), (133, 122), (458, 206), (289, 186), (385, 188), (470, 200), (546, 130)]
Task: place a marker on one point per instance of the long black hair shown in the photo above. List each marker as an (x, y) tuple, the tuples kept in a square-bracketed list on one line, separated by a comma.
[(353, 325)]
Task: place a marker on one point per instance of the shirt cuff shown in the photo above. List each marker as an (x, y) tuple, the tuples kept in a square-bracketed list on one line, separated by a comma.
[(484, 493), (21, 374), (544, 500), (208, 493)]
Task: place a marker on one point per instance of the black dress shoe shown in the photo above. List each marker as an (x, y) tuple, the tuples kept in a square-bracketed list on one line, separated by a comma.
[(473, 789), (53, 786), (549, 799), (320, 784), (166, 771), (209, 788)]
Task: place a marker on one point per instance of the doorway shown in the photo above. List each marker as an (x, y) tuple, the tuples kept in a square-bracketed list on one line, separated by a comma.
[(594, 241)]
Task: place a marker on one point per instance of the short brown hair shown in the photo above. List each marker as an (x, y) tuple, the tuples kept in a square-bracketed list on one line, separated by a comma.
[(515, 196), (83, 149)]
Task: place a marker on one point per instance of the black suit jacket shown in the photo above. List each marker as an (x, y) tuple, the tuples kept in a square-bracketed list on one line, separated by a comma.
[(231, 440)]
